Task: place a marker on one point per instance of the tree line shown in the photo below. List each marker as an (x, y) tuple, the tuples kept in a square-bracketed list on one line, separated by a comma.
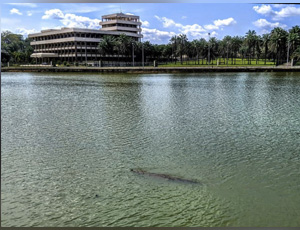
[(278, 45), (15, 48)]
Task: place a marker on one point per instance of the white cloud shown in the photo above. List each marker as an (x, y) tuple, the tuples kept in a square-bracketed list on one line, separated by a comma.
[(25, 32), (193, 30), (288, 11), (53, 14), (284, 11), (155, 35), (184, 17), (53, 27), (29, 13), (224, 22), (211, 27), (72, 20), (196, 30), (32, 5), (220, 23), (167, 22), (267, 26), (15, 11), (145, 23), (263, 9)]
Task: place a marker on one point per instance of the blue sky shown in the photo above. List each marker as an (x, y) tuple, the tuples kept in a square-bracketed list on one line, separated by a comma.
[(160, 20)]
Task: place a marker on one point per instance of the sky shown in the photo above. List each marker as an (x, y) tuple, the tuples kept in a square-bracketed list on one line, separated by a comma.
[(160, 21)]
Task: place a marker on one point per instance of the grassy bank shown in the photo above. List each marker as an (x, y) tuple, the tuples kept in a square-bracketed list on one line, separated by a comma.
[(221, 62), (154, 69)]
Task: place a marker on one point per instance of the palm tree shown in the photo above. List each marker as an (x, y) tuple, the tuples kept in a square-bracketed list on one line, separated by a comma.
[(167, 51), (224, 47), (293, 39), (265, 42), (258, 44), (182, 43), (278, 42), (236, 43), (213, 47), (295, 31), (243, 51), (148, 49), (296, 53), (174, 42), (106, 45), (194, 49), (203, 47), (123, 44), (250, 40)]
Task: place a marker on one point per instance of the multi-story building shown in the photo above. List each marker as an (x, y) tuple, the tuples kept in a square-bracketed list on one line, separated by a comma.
[(81, 45), (121, 23)]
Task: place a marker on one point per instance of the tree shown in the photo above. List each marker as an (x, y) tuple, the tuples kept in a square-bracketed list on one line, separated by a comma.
[(148, 49), (174, 43), (203, 48), (107, 45), (15, 48), (278, 39), (123, 44), (265, 42), (250, 40), (243, 51), (258, 43), (167, 51), (195, 49), (224, 47), (213, 45), (296, 54), (236, 43), (182, 43), (293, 39)]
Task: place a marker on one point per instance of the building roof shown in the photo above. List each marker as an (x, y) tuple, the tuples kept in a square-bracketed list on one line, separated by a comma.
[(120, 15)]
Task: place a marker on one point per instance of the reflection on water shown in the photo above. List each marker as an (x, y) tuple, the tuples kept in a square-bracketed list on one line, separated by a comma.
[(69, 142)]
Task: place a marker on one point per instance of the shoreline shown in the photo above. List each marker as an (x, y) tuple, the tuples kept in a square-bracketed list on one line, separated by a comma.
[(153, 69)]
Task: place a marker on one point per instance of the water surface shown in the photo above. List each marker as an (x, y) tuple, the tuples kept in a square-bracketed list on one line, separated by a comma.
[(68, 142)]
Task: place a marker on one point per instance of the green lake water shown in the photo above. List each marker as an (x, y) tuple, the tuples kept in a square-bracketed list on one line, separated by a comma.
[(68, 142)]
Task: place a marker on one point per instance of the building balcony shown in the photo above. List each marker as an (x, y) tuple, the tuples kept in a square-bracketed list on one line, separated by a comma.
[(115, 21), (121, 28), (43, 55), (66, 48)]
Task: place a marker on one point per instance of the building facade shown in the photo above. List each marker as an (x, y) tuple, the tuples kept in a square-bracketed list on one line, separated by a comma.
[(81, 45)]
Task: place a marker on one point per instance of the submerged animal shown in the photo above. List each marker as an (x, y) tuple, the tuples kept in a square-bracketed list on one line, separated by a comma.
[(164, 176)]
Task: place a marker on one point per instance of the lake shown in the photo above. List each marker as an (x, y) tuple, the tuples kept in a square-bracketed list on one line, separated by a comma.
[(69, 142)]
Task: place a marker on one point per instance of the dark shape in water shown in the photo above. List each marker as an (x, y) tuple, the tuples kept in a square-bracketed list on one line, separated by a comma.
[(164, 176)]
